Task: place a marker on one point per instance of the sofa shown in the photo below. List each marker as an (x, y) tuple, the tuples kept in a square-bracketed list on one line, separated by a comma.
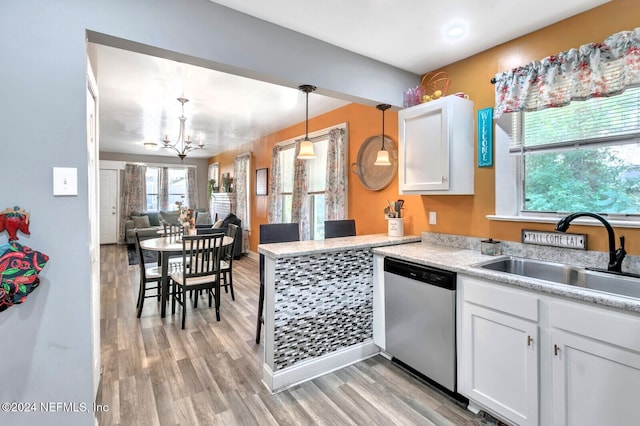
[(149, 223)]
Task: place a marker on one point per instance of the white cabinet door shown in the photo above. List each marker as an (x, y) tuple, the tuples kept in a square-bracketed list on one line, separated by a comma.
[(501, 358), (424, 148), (436, 147)]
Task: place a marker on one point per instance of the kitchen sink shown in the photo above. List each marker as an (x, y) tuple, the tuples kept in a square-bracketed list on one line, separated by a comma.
[(608, 282)]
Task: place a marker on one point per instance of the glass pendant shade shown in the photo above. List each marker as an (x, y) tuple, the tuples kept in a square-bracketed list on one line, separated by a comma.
[(382, 159), (306, 150)]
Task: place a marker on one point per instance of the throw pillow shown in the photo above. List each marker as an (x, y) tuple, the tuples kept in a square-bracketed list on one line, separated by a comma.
[(202, 218), (140, 221), (170, 216), (19, 269), (218, 224), (154, 218)]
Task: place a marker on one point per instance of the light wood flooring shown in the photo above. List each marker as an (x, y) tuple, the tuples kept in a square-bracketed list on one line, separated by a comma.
[(155, 373)]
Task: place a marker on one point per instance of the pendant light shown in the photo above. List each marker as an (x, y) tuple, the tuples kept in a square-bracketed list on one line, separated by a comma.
[(306, 146), (382, 159)]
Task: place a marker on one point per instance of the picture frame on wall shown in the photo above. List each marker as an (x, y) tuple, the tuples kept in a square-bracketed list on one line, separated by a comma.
[(262, 177)]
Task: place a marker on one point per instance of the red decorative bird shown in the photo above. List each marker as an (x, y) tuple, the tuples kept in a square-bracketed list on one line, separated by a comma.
[(14, 219)]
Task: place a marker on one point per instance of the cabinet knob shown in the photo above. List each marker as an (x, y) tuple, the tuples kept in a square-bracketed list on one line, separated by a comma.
[(529, 340), (556, 349)]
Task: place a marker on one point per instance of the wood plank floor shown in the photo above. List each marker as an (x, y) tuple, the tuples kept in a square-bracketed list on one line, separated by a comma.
[(155, 373)]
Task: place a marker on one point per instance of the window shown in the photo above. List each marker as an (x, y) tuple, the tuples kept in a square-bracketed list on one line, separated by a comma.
[(177, 187), (317, 184), (582, 157)]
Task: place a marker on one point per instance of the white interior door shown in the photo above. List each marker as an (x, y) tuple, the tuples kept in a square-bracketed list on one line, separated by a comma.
[(93, 189), (108, 206)]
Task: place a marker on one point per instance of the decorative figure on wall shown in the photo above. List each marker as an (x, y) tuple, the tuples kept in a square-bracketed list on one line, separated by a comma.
[(19, 265), (14, 219)]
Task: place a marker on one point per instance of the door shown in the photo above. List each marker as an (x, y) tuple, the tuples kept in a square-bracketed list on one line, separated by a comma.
[(502, 362), (108, 206), (594, 383), (424, 147), (94, 231)]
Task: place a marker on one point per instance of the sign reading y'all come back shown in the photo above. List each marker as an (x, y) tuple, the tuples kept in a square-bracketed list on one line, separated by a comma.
[(555, 239)]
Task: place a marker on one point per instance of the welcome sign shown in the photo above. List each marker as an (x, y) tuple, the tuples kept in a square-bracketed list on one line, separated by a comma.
[(485, 137)]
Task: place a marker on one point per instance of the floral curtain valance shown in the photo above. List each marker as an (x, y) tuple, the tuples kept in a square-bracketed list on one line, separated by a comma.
[(593, 70)]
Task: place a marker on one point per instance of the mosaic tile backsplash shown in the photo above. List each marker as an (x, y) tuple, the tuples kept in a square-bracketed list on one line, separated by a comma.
[(323, 303)]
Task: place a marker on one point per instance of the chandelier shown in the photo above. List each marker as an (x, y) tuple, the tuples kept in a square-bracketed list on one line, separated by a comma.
[(183, 144)]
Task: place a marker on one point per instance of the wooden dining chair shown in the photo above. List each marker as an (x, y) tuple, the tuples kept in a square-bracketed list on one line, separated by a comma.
[(201, 255), (272, 233), (226, 265), (148, 274), (339, 228), (173, 230)]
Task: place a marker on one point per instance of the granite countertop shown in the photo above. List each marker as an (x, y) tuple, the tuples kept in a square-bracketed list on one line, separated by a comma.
[(302, 248), (461, 260)]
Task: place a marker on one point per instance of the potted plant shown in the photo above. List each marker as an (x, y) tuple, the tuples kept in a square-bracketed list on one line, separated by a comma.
[(212, 187)]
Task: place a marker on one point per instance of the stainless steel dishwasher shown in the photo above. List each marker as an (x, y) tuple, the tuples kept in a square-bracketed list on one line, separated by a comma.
[(420, 320)]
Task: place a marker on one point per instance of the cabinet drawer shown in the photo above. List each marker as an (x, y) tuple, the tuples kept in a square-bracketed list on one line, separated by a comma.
[(598, 323), (495, 296)]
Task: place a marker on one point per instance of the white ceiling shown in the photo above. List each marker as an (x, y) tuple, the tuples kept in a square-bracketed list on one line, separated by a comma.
[(138, 92)]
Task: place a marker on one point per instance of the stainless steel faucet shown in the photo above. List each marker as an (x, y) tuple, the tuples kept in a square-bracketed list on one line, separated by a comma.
[(615, 256)]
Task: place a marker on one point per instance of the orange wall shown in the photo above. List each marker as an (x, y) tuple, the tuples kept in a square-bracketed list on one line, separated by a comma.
[(365, 206), (462, 215)]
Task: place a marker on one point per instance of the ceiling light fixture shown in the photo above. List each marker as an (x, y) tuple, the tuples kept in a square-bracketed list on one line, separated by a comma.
[(150, 145), (455, 32), (306, 146), (182, 145), (382, 159)]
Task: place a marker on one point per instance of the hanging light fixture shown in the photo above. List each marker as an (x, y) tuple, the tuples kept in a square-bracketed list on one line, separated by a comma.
[(183, 144), (382, 159), (306, 146)]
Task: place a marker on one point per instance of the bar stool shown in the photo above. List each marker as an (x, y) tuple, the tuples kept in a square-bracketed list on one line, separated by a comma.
[(272, 233), (339, 228)]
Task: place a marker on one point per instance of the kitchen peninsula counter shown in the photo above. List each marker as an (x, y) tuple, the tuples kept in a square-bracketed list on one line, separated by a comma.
[(318, 307)]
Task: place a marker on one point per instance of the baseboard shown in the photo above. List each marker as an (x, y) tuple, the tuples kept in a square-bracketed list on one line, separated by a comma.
[(310, 369)]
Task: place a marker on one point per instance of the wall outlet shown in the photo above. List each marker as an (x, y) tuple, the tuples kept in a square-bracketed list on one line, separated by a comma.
[(432, 218)]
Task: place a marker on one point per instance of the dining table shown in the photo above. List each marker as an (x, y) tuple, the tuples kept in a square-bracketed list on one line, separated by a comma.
[(168, 246)]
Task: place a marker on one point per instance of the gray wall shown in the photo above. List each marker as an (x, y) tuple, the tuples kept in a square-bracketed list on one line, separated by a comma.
[(46, 342)]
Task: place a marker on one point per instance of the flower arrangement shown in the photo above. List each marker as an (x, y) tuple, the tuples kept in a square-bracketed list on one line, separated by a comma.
[(186, 217)]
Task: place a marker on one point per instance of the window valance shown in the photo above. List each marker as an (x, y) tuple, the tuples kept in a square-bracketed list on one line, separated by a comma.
[(593, 70)]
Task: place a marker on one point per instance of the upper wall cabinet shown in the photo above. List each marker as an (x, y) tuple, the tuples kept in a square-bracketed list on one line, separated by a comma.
[(436, 147)]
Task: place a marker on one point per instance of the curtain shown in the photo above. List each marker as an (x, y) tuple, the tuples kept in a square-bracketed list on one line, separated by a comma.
[(300, 208), (593, 70), (275, 188), (192, 188), (336, 184), (163, 188), (241, 171), (134, 194)]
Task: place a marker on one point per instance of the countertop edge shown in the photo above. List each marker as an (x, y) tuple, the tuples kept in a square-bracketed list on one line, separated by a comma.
[(462, 260), (305, 248)]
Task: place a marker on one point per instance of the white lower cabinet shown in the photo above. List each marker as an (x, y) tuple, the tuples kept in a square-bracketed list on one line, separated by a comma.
[(595, 366), (500, 352), (536, 359)]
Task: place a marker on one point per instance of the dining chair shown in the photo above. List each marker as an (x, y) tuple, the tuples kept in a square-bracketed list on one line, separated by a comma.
[(148, 274), (226, 265), (201, 255), (272, 233), (173, 230), (339, 228)]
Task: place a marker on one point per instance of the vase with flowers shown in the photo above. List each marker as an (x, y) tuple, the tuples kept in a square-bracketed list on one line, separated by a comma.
[(186, 218)]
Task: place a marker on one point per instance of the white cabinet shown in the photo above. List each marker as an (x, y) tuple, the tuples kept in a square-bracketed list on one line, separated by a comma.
[(595, 366), (536, 359), (436, 147), (500, 351)]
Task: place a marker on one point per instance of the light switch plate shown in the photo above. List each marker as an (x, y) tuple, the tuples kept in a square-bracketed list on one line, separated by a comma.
[(432, 218), (65, 181)]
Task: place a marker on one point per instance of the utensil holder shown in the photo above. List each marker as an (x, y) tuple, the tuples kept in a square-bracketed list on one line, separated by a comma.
[(396, 227)]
